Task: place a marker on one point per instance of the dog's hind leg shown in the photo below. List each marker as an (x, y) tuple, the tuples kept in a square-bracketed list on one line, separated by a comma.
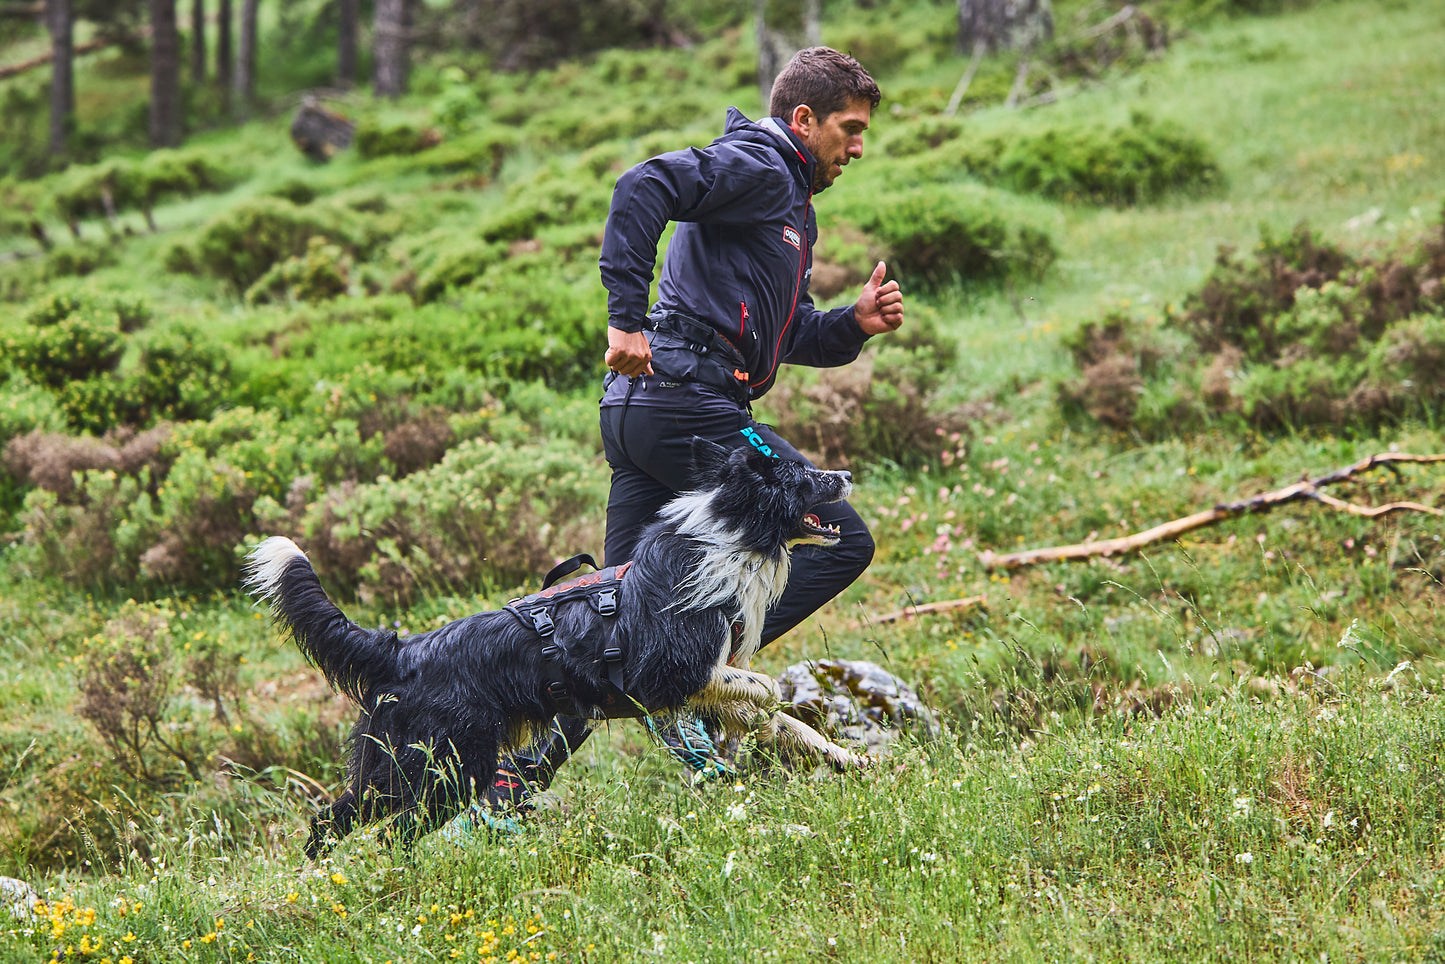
[(331, 824)]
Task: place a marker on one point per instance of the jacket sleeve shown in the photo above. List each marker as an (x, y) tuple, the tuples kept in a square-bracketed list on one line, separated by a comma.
[(716, 184), (823, 339)]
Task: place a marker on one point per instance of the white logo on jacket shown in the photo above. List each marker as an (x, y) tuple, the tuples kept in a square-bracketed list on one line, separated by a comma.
[(793, 237)]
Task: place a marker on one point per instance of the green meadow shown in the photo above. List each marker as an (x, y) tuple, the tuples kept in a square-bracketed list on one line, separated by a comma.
[(1168, 277)]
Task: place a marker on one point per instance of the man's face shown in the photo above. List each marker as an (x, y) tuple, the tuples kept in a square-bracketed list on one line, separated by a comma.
[(834, 140)]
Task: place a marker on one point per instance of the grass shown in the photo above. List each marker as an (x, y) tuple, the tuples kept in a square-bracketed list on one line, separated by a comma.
[(1231, 826), (1225, 746)]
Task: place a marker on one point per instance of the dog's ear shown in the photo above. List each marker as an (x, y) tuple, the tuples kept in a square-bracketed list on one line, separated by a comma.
[(708, 460)]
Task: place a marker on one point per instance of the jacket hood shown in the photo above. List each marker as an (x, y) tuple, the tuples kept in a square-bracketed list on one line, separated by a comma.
[(775, 133)]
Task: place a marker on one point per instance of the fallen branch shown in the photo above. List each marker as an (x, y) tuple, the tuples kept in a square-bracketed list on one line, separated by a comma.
[(40, 60), (968, 602), (979, 46), (1305, 489)]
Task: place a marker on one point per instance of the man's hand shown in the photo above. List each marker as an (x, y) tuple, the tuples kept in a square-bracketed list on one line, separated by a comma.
[(628, 352), (879, 308)]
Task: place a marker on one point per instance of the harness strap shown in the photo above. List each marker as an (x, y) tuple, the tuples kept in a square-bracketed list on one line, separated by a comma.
[(600, 591)]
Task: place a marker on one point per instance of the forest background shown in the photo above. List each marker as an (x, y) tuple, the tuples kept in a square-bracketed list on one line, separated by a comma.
[(1159, 258)]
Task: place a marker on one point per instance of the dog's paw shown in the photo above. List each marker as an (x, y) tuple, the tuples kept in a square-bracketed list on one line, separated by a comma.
[(842, 759)]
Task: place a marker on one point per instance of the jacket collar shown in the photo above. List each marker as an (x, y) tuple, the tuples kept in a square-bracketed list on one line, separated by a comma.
[(787, 143)]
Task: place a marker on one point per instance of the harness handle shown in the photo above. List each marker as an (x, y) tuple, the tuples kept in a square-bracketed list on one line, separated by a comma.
[(568, 566)]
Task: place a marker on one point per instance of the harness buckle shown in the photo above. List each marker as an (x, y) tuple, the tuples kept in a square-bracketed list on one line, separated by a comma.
[(542, 622)]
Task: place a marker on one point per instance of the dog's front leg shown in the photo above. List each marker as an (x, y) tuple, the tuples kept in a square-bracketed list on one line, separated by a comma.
[(732, 692), (747, 701)]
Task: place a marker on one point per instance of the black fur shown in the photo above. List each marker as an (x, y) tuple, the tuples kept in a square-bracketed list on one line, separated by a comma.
[(438, 707)]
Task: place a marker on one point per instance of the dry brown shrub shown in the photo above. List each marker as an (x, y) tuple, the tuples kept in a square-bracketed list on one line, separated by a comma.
[(1217, 384), (1108, 390), (49, 460), (866, 411), (419, 442)]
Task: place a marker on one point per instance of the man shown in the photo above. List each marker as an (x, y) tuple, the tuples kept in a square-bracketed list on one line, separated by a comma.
[(733, 304)]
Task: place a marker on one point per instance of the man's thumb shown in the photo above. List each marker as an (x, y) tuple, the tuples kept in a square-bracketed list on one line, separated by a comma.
[(878, 273)]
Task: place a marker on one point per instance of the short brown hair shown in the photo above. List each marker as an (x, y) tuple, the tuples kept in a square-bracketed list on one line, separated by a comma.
[(825, 80)]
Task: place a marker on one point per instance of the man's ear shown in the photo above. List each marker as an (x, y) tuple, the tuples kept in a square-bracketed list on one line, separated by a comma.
[(708, 460), (802, 120)]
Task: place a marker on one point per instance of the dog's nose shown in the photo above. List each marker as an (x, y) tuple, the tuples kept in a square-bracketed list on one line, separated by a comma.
[(847, 477)]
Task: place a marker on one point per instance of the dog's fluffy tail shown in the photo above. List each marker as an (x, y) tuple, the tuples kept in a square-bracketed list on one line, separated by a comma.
[(351, 658)]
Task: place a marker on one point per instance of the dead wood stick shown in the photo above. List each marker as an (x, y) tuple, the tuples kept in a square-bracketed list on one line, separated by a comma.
[(1109, 24), (1302, 490), (968, 602), (979, 46)]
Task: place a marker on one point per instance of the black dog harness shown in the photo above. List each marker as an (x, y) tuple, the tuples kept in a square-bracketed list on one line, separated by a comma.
[(599, 589)]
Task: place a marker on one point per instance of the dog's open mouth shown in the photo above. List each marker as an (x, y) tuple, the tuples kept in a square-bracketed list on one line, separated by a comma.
[(815, 530)]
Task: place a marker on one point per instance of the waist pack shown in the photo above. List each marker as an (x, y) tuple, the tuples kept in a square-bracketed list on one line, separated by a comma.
[(686, 348), (599, 590)]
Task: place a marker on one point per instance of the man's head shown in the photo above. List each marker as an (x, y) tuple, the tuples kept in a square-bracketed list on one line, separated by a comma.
[(827, 98)]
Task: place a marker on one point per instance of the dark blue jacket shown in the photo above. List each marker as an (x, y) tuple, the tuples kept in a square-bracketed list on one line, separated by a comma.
[(742, 254)]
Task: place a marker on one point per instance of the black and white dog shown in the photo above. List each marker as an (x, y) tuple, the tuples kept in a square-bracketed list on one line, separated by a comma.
[(437, 708)]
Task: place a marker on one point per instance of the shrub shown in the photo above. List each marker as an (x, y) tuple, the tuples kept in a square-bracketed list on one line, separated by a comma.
[(79, 259), (1240, 302), (179, 374), (937, 236), (457, 263), (323, 273), (1301, 335), (241, 245), (374, 138), (480, 153), (487, 514), (552, 197), (1131, 164), (85, 343), (921, 135), (884, 408)]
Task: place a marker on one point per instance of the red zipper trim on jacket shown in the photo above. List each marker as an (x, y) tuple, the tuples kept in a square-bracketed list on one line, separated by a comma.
[(797, 291)]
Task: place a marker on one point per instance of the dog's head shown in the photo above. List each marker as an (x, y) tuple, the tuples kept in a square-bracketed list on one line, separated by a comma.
[(771, 503)]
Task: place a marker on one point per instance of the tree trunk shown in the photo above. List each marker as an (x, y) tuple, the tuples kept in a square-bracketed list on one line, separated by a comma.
[(198, 43), (390, 53), (61, 22), (225, 72), (346, 13), (1004, 24), (776, 45), (165, 115), (246, 56)]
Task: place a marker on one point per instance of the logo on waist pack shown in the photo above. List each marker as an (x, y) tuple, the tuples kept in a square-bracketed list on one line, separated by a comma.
[(793, 237)]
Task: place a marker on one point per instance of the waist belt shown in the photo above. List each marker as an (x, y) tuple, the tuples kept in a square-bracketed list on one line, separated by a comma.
[(719, 364)]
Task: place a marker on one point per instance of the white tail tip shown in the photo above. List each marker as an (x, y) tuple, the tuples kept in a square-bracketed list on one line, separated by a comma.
[(267, 562)]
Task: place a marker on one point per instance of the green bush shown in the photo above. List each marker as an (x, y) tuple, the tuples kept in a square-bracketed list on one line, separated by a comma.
[(1300, 335), (83, 344), (1132, 164), (323, 273), (1241, 301), (488, 514), (457, 265), (374, 138), (179, 373), (552, 197), (940, 235), (241, 245), (79, 259), (83, 192), (917, 137), (480, 153)]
